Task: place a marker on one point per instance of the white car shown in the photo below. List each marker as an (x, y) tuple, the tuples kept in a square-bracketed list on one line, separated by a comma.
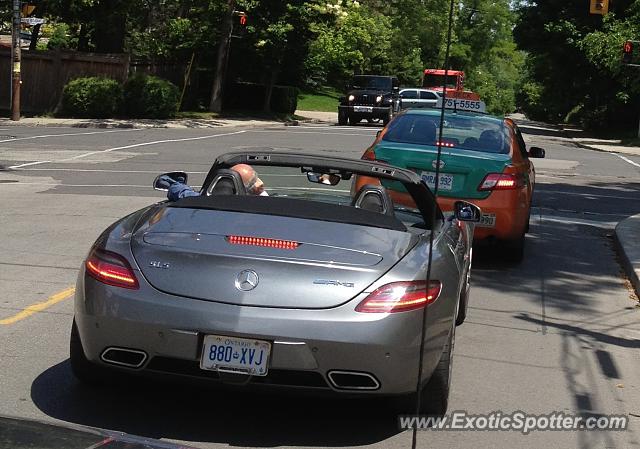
[(418, 98)]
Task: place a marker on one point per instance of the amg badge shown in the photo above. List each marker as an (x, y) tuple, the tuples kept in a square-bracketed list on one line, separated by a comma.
[(338, 283)]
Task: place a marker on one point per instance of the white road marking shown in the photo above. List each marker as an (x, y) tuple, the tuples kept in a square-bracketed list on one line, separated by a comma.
[(578, 221), (103, 170), (155, 142), (135, 145), (595, 195), (628, 160), (28, 163), (46, 136), (311, 132)]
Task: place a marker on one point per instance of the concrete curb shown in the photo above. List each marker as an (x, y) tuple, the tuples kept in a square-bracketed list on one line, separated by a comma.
[(139, 124), (614, 148), (627, 236)]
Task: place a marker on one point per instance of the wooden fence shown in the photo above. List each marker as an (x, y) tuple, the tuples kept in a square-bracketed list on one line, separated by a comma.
[(44, 75)]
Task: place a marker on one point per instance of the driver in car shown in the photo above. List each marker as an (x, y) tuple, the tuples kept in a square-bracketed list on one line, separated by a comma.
[(254, 185)]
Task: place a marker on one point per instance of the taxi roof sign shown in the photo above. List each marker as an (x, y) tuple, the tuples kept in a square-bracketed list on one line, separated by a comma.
[(457, 104)]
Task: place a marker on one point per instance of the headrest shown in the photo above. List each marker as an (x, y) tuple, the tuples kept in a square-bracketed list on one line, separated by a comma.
[(374, 198), (227, 182)]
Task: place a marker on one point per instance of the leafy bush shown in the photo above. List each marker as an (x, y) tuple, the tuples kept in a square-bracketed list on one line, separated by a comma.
[(93, 97), (150, 97)]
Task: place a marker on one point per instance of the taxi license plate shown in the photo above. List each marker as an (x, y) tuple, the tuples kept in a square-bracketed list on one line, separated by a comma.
[(487, 221), (233, 354), (363, 109), (446, 181)]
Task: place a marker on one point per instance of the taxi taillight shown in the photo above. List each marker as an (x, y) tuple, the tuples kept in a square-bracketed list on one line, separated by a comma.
[(369, 155), (500, 181)]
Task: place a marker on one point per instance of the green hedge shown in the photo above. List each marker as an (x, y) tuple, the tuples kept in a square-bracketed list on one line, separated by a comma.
[(250, 97), (150, 97), (93, 97)]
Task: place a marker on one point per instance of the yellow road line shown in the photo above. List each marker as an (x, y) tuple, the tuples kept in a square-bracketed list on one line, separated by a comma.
[(39, 306)]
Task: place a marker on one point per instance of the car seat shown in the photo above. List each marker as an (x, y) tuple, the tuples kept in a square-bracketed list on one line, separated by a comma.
[(423, 132), (490, 141), (374, 198), (227, 182)]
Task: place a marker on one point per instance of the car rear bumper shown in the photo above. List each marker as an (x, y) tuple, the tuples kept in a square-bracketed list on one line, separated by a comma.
[(307, 345), (507, 209), (376, 111)]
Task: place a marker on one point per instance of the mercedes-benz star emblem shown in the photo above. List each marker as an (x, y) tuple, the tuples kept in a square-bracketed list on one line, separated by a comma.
[(434, 164), (247, 280)]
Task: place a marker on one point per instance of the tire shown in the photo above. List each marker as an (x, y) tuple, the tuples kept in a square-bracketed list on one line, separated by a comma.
[(435, 394), (387, 119), (85, 371), (342, 118), (434, 397), (464, 299), (353, 121), (514, 249)]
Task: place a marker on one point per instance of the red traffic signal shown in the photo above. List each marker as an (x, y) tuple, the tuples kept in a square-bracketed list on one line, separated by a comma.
[(627, 52), (242, 20)]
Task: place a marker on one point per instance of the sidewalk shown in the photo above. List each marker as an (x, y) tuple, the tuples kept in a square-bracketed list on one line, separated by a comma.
[(627, 232), (139, 123), (580, 138), (195, 123)]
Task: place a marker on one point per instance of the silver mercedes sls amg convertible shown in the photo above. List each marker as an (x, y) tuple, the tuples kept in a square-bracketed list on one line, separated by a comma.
[(313, 286)]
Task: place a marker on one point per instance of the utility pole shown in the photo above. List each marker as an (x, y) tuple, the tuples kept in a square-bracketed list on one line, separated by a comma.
[(15, 63), (223, 49)]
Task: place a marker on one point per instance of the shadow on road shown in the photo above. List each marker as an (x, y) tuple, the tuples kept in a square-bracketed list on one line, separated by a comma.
[(175, 411)]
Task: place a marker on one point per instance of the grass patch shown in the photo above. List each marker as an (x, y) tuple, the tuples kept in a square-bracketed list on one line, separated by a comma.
[(325, 100)]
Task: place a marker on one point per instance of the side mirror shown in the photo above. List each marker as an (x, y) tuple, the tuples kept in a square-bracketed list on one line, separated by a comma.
[(464, 211), (323, 178), (162, 184), (536, 152)]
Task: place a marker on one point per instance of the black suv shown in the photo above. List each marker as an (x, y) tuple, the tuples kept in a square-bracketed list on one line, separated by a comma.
[(369, 97)]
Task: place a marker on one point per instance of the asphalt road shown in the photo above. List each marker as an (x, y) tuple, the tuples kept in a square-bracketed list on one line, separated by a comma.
[(559, 332)]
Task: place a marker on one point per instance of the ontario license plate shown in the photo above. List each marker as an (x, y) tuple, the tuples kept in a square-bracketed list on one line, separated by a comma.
[(487, 221), (445, 183), (232, 354), (363, 109)]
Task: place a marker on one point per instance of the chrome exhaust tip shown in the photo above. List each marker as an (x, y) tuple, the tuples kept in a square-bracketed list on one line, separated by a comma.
[(353, 380), (130, 358)]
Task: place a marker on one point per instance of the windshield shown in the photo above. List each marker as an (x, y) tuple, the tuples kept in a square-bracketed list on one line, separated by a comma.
[(466, 132), (371, 82)]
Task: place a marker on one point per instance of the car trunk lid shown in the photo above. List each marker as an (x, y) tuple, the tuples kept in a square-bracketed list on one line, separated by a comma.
[(192, 253)]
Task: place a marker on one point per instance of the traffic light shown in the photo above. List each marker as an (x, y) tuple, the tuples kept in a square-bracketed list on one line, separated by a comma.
[(627, 52), (599, 7), (241, 23)]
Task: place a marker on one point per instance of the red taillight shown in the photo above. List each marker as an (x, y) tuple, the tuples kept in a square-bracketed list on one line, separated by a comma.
[(369, 155), (400, 297), (259, 241), (500, 181), (442, 143), (111, 268)]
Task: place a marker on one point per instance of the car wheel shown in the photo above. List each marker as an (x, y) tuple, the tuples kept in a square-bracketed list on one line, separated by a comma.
[(342, 118), (435, 394), (464, 298), (514, 249), (434, 398), (85, 371), (354, 121), (387, 119)]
